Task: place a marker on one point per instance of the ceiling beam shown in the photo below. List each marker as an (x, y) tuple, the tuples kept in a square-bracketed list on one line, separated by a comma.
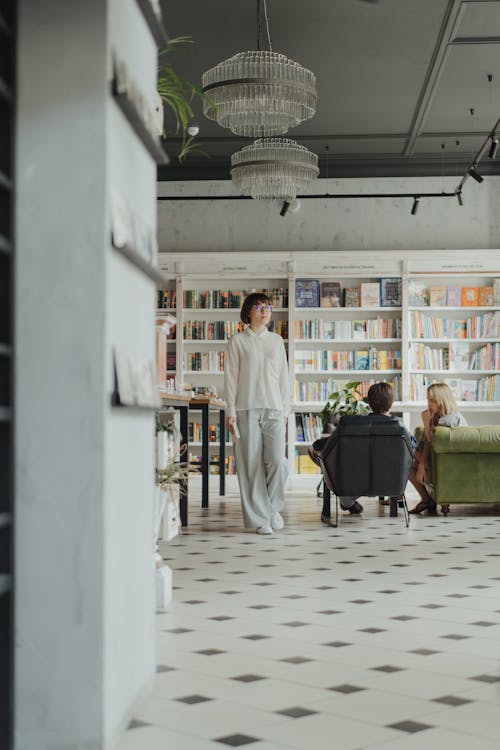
[(441, 49)]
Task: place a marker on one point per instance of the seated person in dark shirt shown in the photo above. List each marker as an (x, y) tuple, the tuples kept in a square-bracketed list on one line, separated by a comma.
[(380, 400)]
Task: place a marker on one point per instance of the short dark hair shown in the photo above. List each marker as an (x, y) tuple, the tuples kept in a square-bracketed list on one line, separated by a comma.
[(251, 300), (380, 397)]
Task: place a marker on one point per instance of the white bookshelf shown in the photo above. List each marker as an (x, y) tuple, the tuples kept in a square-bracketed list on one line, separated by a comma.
[(202, 271)]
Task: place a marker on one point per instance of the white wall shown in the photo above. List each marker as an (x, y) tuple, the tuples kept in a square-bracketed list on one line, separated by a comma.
[(84, 471), (60, 407), (129, 605), (347, 224)]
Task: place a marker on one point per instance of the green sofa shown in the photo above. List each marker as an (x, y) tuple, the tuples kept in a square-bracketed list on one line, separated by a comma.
[(465, 465)]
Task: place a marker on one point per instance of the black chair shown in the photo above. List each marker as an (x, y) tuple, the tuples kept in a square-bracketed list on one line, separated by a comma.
[(368, 456)]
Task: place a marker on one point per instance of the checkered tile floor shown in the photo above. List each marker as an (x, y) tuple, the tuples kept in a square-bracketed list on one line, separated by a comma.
[(366, 636)]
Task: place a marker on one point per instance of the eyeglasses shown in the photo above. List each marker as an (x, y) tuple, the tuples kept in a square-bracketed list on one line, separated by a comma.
[(263, 308)]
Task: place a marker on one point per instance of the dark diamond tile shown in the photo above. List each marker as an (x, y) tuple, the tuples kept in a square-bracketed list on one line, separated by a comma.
[(260, 606), (295, 624), (296, 712), (329, 612), (404, 618), (486, 678), (248, 677), (346, 688), (360, 601), (178, 630), (296, 659), (255, 637), (206, 580), (388, 668), (451, 700), (293, 596), (455, 637), (136, 724), (483, 623), (337, 644), (410, 726), (192, 699), (163, 668), (457, 596), (210, 651), (372, 630), (236, 740), (324, 588), (424, 651), (264, 583), (221, 618), (388, 591), (230, 592), (432, 606)]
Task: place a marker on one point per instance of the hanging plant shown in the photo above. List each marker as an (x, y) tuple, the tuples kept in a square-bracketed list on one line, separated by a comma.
[(177, 94)]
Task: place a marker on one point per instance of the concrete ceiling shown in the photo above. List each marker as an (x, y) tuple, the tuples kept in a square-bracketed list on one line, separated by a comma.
[(403, 85)]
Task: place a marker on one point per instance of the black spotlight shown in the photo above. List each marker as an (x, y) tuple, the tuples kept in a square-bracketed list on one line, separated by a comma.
[(477, 177), (285, 207), (416, 203), (460, 199), (493, 148)]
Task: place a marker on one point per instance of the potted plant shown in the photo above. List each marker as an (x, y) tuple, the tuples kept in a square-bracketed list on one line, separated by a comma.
[(346, 400)]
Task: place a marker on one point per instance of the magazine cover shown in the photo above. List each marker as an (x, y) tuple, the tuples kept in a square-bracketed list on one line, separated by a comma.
[(470, 296), (418, 294), (307, 293), (458, 356), (485, 297), (330, 294), (352, 296), (455, 385), (370, 294), (359, 329), (437, 296), (361, 360), (454, 296), (390, 292), (469, 390)]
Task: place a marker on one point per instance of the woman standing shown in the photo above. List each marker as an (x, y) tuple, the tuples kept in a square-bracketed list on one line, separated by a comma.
[(442, 410), (256, 393)]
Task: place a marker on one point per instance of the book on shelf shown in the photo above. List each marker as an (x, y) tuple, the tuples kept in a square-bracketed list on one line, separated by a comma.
[(307, 293), (352, 296), (459, 356), (454, 296), (418, 294), (485, 296), (437, 296), (496, 291), (331, 294), (455, 386), (470, 296), (370, 294), (469, 390), (361, 360), (390, 292), (359, 329)]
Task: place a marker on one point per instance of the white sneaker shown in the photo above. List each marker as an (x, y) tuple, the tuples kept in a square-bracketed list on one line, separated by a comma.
[(277, 521), (266, 529)]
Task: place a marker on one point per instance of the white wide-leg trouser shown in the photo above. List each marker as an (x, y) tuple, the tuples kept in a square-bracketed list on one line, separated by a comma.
[(260, 464)]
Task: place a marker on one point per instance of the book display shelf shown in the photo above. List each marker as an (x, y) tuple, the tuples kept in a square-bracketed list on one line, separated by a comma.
[(347, 318), (454, 335)]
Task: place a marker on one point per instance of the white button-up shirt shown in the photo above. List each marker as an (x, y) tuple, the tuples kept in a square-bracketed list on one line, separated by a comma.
[(256, 372)]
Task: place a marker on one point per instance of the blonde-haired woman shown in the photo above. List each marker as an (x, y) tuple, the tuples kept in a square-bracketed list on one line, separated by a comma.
[(442, 410)]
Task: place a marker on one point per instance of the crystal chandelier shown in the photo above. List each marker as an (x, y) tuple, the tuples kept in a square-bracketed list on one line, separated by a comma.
[(260, 92), (273, 168)]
